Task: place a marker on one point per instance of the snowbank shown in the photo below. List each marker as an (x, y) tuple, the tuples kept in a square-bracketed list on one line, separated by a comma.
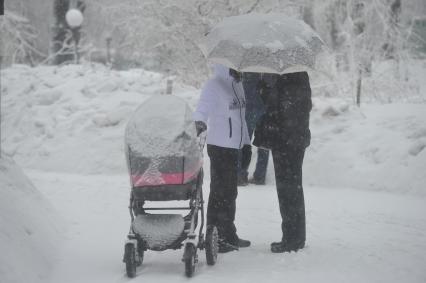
[(72, 119), (375, 147), (29, 234)]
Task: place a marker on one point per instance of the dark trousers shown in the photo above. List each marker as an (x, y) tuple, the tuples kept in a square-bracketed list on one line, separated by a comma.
[(259, 173), (244, 159), (288, 163), (223, 191), (245, 153)]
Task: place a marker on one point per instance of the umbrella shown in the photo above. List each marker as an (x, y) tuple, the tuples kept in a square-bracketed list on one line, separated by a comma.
[(264, 43)]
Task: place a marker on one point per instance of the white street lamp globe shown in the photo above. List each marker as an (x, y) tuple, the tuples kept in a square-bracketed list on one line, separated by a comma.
[(74, 18)]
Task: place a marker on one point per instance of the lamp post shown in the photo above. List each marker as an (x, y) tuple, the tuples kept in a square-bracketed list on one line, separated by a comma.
[(66, 28), (108, 40), (74, 18)]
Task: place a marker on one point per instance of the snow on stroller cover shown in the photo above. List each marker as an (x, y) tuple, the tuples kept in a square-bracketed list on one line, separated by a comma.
[(162, 149)]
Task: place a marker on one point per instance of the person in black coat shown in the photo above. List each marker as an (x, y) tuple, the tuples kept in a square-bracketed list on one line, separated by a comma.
[(284, 128)]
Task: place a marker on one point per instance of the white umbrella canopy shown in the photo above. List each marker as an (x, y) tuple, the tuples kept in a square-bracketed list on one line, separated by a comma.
[(264, 43)]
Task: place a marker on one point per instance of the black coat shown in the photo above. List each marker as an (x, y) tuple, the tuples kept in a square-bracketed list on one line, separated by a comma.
[(288, 103)]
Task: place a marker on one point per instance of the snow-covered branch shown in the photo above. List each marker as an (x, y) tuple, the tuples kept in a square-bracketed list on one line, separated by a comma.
[(18, 39)]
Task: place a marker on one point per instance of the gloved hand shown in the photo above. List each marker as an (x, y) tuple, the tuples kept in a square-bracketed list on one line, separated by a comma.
[(200, 126)]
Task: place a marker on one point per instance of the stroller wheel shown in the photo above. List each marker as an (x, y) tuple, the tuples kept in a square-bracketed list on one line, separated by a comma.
[(130, 260), (211, 244), (189, 257)]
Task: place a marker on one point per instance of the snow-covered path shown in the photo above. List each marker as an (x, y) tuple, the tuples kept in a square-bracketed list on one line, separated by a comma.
[(353, 236)]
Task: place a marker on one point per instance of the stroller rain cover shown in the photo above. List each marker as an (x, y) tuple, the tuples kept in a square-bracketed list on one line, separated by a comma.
[(161, 144)]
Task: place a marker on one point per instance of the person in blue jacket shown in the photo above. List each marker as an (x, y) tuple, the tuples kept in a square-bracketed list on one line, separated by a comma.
[(221, 111), (254, 110)]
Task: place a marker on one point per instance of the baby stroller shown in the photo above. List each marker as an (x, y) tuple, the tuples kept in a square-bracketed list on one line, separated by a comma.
[(164, 158)]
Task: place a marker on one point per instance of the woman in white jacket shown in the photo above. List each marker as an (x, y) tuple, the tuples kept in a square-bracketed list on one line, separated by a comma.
[(222, 108)]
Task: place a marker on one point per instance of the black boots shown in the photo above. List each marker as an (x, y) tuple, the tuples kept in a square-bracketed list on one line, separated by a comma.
[(225, 247), (281, 247), (243, 243), (255, 181), (276, 247)]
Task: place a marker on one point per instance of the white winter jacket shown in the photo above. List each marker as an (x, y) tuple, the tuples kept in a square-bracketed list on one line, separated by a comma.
[(222, 107)]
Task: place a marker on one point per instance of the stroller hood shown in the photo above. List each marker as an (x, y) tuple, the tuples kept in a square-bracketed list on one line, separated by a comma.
[(161, 144)]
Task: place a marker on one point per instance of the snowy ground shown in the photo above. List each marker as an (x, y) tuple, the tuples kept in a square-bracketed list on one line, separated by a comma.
[(364, 180), (353, 236)]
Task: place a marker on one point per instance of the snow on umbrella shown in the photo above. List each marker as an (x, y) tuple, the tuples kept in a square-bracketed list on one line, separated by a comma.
[(266, 43)]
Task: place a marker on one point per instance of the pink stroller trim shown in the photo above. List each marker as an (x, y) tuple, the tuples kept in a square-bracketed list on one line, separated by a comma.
[(164, 178)]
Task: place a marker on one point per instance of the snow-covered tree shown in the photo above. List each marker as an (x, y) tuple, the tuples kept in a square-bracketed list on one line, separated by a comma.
[(38, 14), (18, 40), (361, 34), (163, 35)]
